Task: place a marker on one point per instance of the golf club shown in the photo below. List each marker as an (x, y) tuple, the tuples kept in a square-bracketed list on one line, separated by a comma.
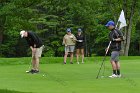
[(103, 63), (30, 63)]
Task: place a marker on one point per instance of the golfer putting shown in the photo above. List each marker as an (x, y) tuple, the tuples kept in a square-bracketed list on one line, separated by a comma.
[(115, 36), (36, 46)]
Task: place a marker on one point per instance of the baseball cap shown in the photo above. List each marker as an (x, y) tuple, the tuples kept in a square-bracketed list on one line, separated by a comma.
[(22, 33), (79, 30), (110, 23), (68, 30)]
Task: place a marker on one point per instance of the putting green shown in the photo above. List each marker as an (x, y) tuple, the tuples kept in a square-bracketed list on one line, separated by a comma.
[(70, 78)]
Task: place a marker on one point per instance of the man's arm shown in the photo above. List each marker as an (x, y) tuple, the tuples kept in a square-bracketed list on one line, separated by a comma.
[(32, 48), (120, 36), (74, 39), (64, 41), (118, 39)]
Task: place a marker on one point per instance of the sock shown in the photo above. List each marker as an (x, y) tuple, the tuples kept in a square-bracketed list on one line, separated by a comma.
[(118, 71), (114, 72)]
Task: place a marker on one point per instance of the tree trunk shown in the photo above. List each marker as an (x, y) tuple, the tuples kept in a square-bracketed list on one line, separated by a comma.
[(128, 32), (139, 47), (125, 28), (1, 37), (86, 46)]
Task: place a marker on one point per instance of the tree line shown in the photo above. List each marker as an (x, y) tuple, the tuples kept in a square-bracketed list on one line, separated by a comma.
[(50, 18)]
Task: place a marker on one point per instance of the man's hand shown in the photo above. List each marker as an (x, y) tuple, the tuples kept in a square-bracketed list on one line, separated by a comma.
[(118, 39), (33, 50), (106, 49)]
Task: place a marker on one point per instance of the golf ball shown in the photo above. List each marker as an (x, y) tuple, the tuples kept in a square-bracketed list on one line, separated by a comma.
[(102, 76)]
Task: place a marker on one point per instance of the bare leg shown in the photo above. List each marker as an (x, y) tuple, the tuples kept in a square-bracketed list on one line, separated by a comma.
[(82, 53), (33, 63), (77, 55), (37, 64), (118, 68), (117, 65), (71, 56), (114, 67), (65, 56)]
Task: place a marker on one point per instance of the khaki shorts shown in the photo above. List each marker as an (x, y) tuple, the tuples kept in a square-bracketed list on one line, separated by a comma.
[(69, 48), (38, 52)]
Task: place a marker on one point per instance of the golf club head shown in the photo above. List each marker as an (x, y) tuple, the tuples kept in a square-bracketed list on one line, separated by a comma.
[(27, 71)]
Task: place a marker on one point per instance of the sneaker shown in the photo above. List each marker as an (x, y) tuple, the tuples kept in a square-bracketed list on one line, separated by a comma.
[(77, 62), (71, 62), (119, 76), (64, 62), (113, 76), (31, 71), (82, 62), (35, 72)]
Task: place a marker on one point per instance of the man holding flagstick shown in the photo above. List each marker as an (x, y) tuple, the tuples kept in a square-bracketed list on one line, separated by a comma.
[(115, 37)]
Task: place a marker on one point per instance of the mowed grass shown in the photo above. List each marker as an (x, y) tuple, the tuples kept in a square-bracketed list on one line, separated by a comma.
[(54, 77)]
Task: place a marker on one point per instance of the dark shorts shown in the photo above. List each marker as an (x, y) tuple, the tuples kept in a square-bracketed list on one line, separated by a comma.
[(79, 47), (115, 56)]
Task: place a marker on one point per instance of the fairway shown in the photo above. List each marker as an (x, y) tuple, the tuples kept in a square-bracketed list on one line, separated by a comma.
[(55, 77)]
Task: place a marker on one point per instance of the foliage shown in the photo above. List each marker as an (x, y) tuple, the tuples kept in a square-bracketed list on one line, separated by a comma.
[(49, 19)]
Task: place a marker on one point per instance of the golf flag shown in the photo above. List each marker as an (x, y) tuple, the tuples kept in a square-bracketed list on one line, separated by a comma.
[(122, 20)]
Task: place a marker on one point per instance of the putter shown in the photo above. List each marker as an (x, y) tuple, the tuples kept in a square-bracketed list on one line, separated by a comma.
[(30, 64), (103, 70), (103, 62), (27, 71)]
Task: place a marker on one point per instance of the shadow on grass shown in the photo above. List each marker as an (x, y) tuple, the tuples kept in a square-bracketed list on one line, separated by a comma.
[(11, 91)]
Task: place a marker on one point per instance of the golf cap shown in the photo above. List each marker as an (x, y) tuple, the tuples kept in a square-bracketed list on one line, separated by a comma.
[(79, 30), (22, 33), (68, 30), (110, 23)]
